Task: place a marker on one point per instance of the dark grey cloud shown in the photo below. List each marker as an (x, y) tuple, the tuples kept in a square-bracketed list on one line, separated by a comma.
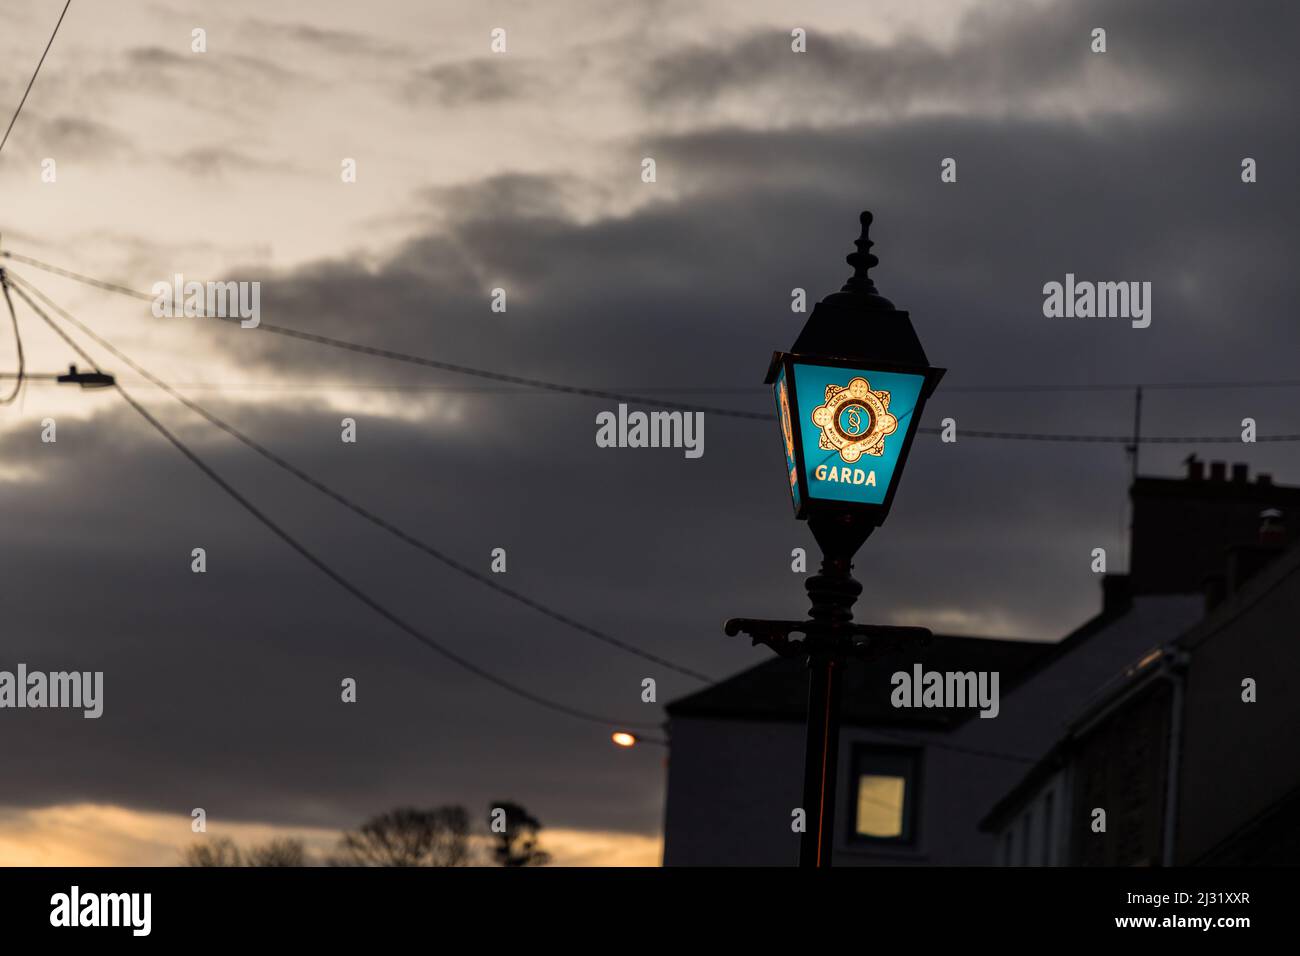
[(339, 42), (73, 138), (484, 80), (1199, 55), (994, 56), (222, 689), (219, 82), (221, 161), (151, 62)]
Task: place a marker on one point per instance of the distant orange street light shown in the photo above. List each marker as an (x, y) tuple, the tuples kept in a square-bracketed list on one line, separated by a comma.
[(623, 739)]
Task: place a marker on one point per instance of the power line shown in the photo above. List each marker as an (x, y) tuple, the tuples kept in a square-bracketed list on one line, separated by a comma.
[(751, 390), (18, 341), (338, 578), (393, 355), (504, 377), (356, 386), (326, 569), (1127, 386), (32, 81), (57, 331), (79, 277), (532, 383), (271, 456), (1189, 385), (1116, 439), (360, 509), (401, 624), (954, 748)]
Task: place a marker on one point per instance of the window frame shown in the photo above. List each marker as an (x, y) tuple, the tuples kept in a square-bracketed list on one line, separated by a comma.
[(859, 757)]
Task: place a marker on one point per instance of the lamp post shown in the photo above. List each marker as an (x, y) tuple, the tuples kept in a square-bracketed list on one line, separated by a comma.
[(849, 397)]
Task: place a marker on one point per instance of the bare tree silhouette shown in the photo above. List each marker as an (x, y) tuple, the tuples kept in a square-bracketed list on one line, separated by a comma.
[(408, 837), (515, 834), (280, 852), (220, 851), (223, 851)]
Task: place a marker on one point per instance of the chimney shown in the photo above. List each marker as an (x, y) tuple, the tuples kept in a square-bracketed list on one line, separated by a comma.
[(1116, 594), (1183, 528), (1245, 561), (1272, 532)]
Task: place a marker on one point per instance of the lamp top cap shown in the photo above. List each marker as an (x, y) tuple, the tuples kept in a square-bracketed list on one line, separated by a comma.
[(857, 322), (863, 261)]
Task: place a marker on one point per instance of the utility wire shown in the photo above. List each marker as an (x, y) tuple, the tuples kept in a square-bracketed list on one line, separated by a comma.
[(360, 509), (326, 569), (751, 390), (954, 748), (71, 342), (503, 377), (724, 412), (87, 280), (1193, 385), (271, 456), (396, 356), (343, 582), (366, 386), (18, 341), (370, 602), (32, 81), (1127, 387), (1116, 439)]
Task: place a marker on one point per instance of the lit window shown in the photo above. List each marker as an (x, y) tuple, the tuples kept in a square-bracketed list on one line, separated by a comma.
[(884, 794), (880, 806)]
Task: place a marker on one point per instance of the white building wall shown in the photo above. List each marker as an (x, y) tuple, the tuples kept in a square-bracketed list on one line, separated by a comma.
[(732, 785), (1034, 716), (1039, 835)]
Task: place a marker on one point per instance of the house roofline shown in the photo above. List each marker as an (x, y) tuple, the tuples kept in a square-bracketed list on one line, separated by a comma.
[(689, 706), (1273, 575), (1156, 664)]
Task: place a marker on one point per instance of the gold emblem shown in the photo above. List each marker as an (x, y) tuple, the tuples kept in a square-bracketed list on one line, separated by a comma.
[(855, 420)]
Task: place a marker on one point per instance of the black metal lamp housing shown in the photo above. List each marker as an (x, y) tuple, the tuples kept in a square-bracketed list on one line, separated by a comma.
[(849, 395)]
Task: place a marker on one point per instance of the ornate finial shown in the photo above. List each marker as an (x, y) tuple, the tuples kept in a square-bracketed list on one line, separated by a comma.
[(862, 260)]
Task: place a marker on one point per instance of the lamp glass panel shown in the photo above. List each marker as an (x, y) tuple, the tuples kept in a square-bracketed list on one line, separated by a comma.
[(854, 423), (784, 419)]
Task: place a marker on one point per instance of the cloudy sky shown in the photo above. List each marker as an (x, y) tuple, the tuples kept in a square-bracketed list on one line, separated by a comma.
[(522, 170)]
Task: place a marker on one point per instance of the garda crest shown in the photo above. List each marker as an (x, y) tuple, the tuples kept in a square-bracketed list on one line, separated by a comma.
[(855, 420)]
